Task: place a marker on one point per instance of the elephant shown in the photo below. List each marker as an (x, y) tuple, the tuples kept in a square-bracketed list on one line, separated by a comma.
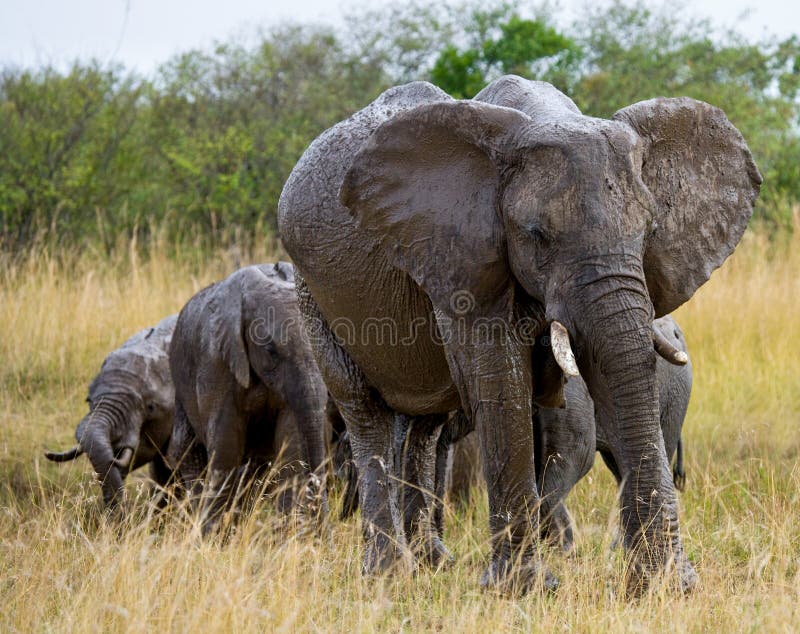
[(130, 413), (472, 227), (246, 386), (567, 440)]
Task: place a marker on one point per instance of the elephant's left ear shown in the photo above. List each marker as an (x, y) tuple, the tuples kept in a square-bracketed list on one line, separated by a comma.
[(223, 335), (702, 175)]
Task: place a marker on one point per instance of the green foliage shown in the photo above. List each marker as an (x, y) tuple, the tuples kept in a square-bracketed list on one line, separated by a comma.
[(459, 73), (635, 53), (203, 147), (66, 147), (207, 144), (502, 42)]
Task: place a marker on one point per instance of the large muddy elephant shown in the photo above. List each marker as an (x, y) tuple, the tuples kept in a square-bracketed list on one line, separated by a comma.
[(470, 228), (246, 386), (130, 412)]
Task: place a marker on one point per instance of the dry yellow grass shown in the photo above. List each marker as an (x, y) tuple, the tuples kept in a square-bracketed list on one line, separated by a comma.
[(63, 570)]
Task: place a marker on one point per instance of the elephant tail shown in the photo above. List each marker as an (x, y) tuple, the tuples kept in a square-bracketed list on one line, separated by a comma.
[(346, 472), (678, 471)]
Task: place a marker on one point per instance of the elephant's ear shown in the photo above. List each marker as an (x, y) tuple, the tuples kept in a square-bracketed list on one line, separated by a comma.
[(223, 336), (425, 187), (702, 175)]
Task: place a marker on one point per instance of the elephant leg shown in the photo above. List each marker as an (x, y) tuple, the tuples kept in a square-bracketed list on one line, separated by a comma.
[(565, 448), (556, 526), (186, 456), (289, 461), (464, 468), (345, 470), (161, 475), (369, 422), (492, 371), (416, 443), (226, 445), (443, 464), (313, 465)]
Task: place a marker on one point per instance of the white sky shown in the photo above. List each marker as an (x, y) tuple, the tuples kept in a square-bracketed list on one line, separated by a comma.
[(144, 33)]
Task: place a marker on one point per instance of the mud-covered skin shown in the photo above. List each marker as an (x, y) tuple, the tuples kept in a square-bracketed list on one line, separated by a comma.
[(568, 439), (246, 386), (456, 469), (130, 407), (419, 202)]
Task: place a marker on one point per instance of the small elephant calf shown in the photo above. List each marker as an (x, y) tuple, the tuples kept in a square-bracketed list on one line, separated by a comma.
[(130, 412), (245, 384)]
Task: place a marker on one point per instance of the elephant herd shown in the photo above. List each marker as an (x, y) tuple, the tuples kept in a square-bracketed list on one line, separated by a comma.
[(482, 282)]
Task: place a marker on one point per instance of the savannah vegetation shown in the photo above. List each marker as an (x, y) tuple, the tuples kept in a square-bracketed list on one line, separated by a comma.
[(121, 196)]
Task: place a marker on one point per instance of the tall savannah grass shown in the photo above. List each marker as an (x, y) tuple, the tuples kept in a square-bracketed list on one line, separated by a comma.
[(62, 568)]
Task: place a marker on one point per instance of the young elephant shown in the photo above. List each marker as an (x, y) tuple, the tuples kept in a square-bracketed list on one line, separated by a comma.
[(245, 381), (566, 439), (130, 412)]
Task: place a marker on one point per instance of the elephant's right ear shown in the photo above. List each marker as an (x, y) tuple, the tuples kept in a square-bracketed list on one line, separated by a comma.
[(425, 187), (223, 334)]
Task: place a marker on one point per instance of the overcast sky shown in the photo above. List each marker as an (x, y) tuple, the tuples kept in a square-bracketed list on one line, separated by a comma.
[(144, 33)]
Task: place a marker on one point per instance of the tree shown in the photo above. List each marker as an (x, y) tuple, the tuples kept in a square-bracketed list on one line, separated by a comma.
[(635, 52)]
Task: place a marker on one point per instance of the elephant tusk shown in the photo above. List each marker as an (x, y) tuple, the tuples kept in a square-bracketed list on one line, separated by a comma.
[(562, 351), (64, 456), (667, 350), (124, 458)]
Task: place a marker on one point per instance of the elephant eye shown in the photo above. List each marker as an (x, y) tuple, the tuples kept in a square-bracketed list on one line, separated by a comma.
[(270, 355), (151, 407), (536, 232)]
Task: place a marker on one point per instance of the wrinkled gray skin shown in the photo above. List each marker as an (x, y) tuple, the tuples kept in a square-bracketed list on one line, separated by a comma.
[(566, 440), (246, 385), (456, 469), (130, 407), (514, 208)]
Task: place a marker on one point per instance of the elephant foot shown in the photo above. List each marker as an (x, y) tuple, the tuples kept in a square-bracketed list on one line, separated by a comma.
[(382, 556), (434, 554), (679, 575), (507, 578), (562, 540)]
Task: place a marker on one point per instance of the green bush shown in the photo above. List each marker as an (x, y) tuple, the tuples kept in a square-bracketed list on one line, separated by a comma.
[(200, 150)]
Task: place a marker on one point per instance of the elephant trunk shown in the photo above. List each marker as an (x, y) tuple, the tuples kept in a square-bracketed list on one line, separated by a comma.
[(96, 441), (613, 328), (308, 401)]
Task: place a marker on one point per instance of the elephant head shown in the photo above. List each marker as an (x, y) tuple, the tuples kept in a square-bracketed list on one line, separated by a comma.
[(254, 323), (602, 224), (130, 410)]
